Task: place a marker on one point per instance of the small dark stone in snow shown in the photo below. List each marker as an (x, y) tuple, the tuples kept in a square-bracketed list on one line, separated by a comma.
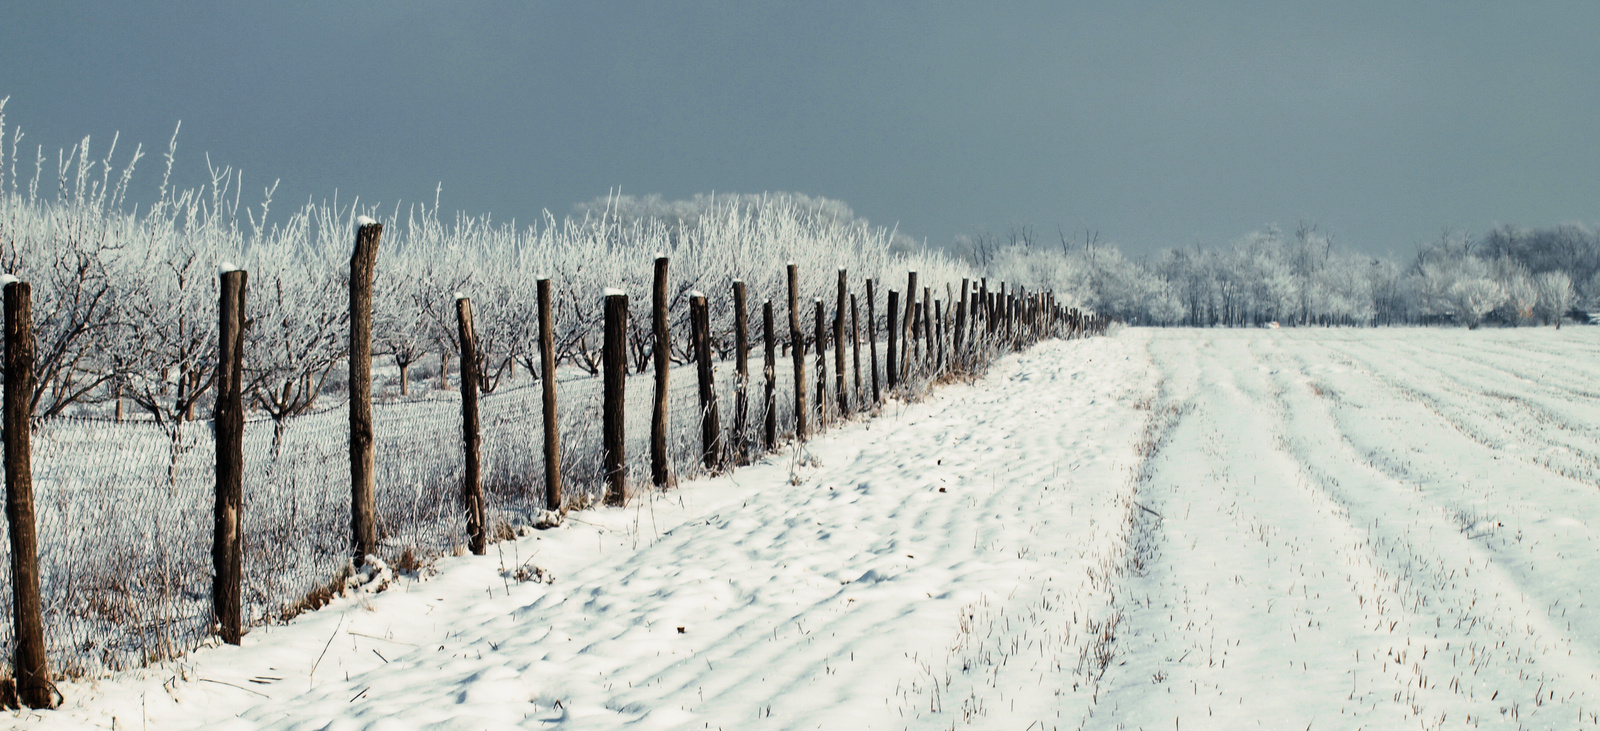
[(682, 631)]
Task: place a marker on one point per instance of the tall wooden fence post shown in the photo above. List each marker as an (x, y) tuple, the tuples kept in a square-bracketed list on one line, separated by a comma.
[(710, 421), (31, 666), (892, 369), (839, 386), (614, 360), (741, 385), (909, 325), (769, 369), (872, 341), (363, 503), (663, 353), (547, 375), (227, 545), (797, 347), (958, 346), (472, 475)]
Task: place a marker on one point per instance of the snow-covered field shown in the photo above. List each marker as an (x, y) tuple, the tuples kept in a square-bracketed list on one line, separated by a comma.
[(1160, 529)]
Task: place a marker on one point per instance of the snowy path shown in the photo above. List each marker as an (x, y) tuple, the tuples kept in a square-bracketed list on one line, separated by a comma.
[(825, 591), (1169, 529), (1368, 529)]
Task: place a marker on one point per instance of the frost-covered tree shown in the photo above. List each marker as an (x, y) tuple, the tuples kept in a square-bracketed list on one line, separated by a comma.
[(1555, 297)]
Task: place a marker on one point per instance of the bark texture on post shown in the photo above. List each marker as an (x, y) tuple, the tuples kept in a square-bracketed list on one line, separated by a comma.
[(842, 391), (908, 324), (472, 475), (547, 375), (872, 340), (958, 345), (710, 420), (363, 505), (663, 343), (30, 665), (741, 385), (227, 544), (797, 349), (769, 369), (614, 361), (892, 369)]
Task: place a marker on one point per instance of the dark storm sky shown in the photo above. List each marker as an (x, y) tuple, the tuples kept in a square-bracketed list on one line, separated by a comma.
[(1158, 124)]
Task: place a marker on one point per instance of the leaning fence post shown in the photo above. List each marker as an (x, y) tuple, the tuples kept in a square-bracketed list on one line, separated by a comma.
[(227, 551), (797, 345), (872, 341), (769, 369), (957, 344), (663, 344), (821, 341), (855, 344), (614, 359), (547, 368), (891, 368), (741, 392), (31, 666), (908, 325), (363, 505), (472, 475), (710, 421)]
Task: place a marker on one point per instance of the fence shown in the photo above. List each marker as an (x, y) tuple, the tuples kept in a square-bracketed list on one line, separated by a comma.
[(124, 511)]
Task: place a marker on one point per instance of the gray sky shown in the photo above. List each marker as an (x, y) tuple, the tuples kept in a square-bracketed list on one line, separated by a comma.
[(1159, 124)]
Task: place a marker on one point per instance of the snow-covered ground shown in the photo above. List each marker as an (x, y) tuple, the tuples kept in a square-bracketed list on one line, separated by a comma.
[(1160, 529)]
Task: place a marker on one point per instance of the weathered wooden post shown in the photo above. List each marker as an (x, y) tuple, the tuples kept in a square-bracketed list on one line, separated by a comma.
[(30, 664), (547, 376), (892, 369), (927, 324), (769, 369), (842, 391), (614, 361), (797, 347), (855, 344), (363, 504), (663, 344), (958, 346), (472, 475), (741, 385), (938, 322), (872, 341), (710, 422), (909, 324), (822, 366), (227, 424)]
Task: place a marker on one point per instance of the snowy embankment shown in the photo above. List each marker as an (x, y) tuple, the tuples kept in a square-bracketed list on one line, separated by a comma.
[(1170, 529), (845, 585)]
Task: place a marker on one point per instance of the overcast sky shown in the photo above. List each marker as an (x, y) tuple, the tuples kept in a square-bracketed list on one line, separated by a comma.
[(1157, 124)]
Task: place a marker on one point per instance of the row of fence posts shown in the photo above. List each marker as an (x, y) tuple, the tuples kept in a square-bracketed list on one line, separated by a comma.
[(917, 346)]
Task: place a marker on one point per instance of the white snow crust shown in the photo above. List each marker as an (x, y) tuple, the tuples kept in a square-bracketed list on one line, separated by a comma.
[(364, 221), (612, 291)]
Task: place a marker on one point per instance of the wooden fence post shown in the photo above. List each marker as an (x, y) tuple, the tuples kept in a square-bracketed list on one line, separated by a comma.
[(842, 391), (547, 367), (938, 323), (227, 423), (614, 360), (927, 324), (909, 325), (797, 347), (31, 665), (363, 504), (958, 346), (822, 366), (663, 344), (769, 369), (891, 368), (472, 475), (872, 341), (741, 385), (855, 345), (710, 422)]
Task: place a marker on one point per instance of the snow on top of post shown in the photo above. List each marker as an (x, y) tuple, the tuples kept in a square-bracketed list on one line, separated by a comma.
[(614, 292), (6, 279), (660, 255), (457, 296), (696, 294), (364, 221), (226, 267)]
